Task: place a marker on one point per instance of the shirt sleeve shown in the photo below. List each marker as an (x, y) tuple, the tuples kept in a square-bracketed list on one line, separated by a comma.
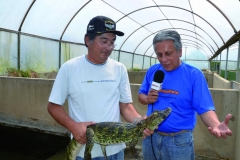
[(60, 87), (124, 86), (202, 98), (144, 89)]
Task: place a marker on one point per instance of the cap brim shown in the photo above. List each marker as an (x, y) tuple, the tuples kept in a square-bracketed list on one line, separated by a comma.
[(119, 33)]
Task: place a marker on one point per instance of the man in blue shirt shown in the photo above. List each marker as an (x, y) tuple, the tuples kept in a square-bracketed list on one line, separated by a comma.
[(185, 90)]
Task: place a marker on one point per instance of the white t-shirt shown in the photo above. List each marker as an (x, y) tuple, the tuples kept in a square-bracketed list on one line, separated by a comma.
[(93, 92)]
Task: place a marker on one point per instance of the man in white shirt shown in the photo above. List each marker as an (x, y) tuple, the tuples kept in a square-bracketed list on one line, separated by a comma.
[(97, 88)]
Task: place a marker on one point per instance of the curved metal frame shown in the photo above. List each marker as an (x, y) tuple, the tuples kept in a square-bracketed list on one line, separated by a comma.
[(151, 45), (175, 28), (177, 8), (60, 46), (168, 19), (202, 42), (19, 32), (72, 19), (188, 41), (171, 28), (224, 15), (232, 40)]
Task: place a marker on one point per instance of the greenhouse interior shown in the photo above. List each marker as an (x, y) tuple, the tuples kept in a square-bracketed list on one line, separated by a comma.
[(42, 35), (39, 36)]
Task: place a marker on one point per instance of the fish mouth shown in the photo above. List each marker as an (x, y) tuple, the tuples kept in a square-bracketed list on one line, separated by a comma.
[(167, 110), (165, 113)]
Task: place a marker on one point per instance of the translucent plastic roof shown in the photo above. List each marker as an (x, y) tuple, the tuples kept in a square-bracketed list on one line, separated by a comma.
[(206, 25)]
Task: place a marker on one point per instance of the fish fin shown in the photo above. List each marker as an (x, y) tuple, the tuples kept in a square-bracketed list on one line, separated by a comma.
[(104, 151)]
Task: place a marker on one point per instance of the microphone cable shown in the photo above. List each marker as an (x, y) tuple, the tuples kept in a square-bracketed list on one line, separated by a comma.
[(156, 85), (152, 141)]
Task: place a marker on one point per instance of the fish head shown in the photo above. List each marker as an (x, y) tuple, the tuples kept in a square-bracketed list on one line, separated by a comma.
[(157, 117)]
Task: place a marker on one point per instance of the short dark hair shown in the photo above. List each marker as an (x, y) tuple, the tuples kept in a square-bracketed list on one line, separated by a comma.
[(91, 37)]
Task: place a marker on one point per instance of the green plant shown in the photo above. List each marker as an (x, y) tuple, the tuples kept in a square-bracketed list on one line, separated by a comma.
[(136, 69), (214, 66), (13, 72)]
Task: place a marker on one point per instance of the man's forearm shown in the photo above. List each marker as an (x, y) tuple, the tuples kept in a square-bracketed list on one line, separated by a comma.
[(142, 98), (128, 112), (61, 116), (210, 119)]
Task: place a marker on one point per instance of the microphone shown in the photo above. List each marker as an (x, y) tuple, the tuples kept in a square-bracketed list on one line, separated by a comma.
[(157, 80)]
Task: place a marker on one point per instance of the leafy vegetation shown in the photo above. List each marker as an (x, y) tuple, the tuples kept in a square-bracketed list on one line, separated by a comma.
[(12, 72), (134, 69), (214, 66)]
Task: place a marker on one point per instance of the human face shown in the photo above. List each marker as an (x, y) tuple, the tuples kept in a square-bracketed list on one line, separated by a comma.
[(100, 48), (167, 55)]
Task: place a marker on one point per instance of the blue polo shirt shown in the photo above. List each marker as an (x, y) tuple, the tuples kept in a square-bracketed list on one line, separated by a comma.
[(185, 90)]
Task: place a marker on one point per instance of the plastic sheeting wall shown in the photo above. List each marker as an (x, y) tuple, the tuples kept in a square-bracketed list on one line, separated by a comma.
[(42, 55), (8, 51)]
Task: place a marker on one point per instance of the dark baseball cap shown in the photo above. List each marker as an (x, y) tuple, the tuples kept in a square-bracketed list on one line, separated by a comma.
[(102, 24)]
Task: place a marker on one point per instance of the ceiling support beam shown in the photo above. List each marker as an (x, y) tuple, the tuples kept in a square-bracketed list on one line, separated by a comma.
[(230, 42)]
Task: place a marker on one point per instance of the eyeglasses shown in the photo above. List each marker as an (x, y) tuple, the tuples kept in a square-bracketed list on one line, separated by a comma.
[(106, 45)]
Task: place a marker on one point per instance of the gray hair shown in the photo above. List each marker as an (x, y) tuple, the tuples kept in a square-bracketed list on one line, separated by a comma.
[(168, 35)]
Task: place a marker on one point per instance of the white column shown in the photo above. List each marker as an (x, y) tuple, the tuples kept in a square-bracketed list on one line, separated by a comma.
[(226, 63), (237, 75)]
